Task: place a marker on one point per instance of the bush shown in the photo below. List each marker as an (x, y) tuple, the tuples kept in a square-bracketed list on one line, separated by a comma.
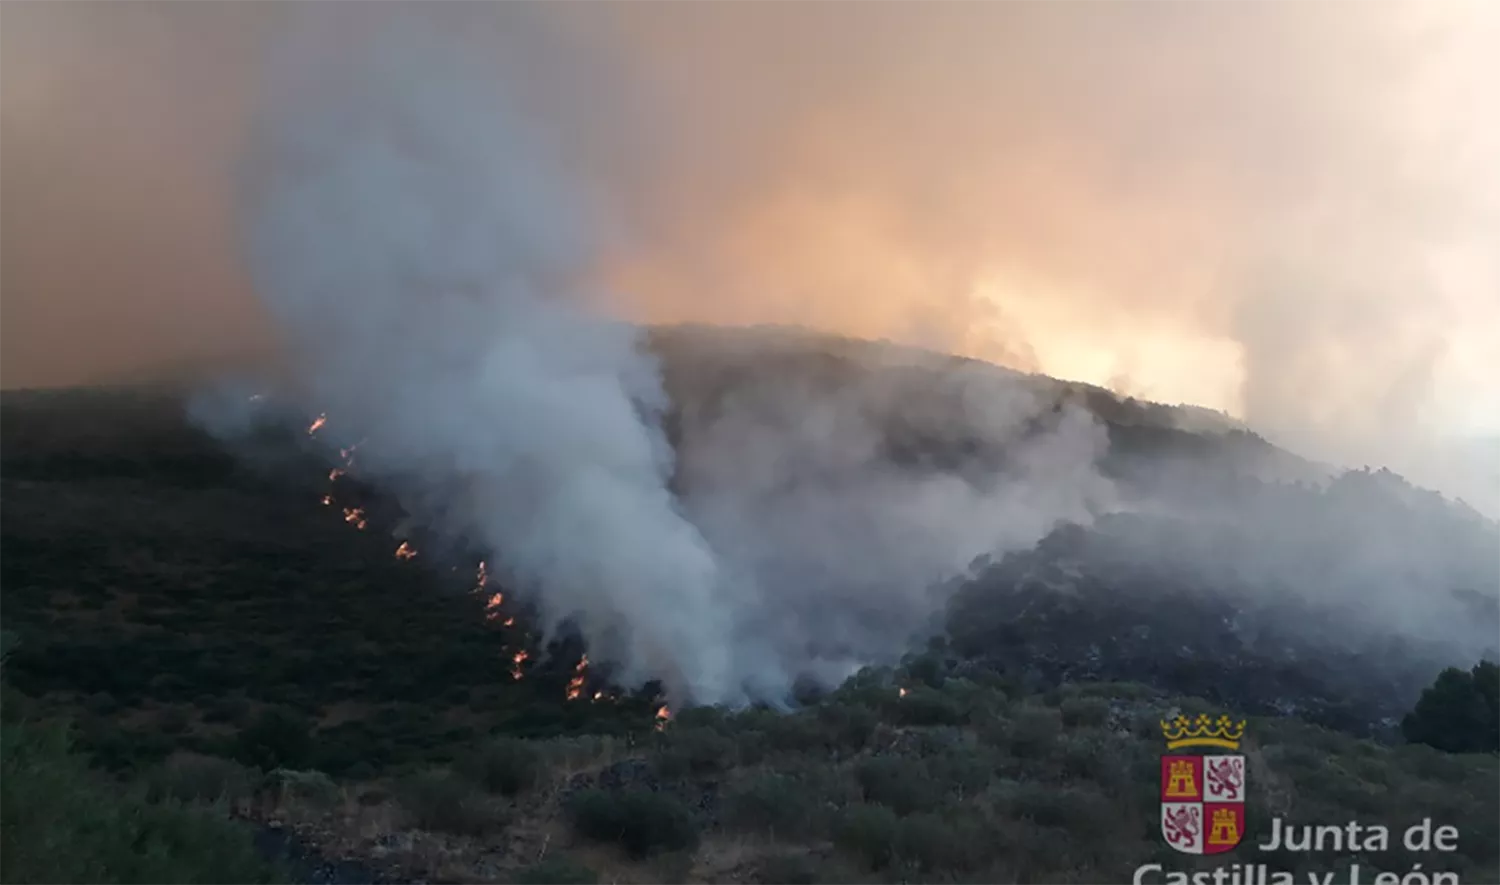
[(557, 869), (903, 785), (868, 832), (1459, 712), (640, 821), (63, 823), (277, 739), (694, 751), (1034, 732), (189, 777), (771, 801), (929, 843), (442, 803), (508, 766), (1085, 711)]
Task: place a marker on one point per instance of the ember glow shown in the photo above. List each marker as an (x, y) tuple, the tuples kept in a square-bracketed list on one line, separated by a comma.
[(317, 424), (517, 660), (575, 685), (406, 551), (663, 716), (355, 516)]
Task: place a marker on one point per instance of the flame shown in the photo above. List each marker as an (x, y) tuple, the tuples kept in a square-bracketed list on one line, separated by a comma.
[(516, 660), (334, 474), (902, 692), (327, 500), (492, 608), (355, 516), (405, 551), (317, 423), (663, 716), (482, 576), (510, 621), (575, 685)]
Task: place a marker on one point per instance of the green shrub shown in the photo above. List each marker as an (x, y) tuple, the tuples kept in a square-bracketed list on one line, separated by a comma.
[(903, 785), (771, 801), (508, 766), (306, 786), (640, 821), (928, 706), (557, 869), (440, 802), (694, 751), (1034, 731), (1085, 711), (189, 777), (868, 832), (929, 843), (277, 739), (61, 822), (1459, 712)]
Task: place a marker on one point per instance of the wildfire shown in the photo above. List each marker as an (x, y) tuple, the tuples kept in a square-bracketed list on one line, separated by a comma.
[(492, 608), (575, 685), (517, 659), (510, 621), (334, 474), (481, 576), (327, 500), (405, 551), (355, 516), (902, 692), (317, 424), (663, 716)]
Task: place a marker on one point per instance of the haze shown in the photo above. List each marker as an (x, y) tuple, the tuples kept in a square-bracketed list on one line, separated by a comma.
[(1288, 212)]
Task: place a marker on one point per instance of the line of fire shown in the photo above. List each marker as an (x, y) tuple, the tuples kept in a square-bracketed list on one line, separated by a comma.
[(357, 505)]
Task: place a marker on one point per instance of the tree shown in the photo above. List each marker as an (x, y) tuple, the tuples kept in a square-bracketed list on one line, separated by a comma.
[(1460, 712)]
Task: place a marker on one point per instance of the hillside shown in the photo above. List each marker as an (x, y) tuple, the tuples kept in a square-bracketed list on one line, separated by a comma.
[(205, 620)]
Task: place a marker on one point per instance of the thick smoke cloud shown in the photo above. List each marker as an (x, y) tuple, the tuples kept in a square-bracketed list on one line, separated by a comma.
[(426, 248), (415, 243)]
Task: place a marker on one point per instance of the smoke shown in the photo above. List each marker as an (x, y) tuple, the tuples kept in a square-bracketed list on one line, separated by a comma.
[(427, 247), (416, 245)]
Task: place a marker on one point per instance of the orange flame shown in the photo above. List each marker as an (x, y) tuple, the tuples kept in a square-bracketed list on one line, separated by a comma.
[(663, 716), (317, 424), (482, 576), (903, 692), (334, 474), (405, 551), (517, 659), (355, 517), (575, 685), (510, 621), (327, 500)]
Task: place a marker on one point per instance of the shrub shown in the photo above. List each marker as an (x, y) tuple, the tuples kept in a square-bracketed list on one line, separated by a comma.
[(557, 869), (1034, 731), (439, 802), (63, 823), (930, 843), (189, 777), (867, 832), (694, 751), (640, 821), (1459, 712), (307, 786), (508, 766), (903, 785), (1085, 711), (928, 706), (277, 739), (771, 801)]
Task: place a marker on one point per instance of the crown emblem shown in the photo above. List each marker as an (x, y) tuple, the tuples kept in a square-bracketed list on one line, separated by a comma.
[(1203, 732)]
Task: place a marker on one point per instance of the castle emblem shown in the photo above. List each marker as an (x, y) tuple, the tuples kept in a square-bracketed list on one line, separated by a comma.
[(1203, 795)]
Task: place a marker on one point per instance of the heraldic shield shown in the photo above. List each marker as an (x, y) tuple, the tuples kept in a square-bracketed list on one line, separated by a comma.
[(1203, 796)]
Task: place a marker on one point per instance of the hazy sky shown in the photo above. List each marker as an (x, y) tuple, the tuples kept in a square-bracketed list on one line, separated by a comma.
[(1289, 211)]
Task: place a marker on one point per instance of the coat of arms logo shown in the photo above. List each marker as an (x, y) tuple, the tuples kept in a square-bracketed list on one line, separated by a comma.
[(1203, 795)]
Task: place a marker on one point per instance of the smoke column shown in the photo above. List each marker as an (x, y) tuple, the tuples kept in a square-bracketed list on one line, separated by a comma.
[(417, 245)]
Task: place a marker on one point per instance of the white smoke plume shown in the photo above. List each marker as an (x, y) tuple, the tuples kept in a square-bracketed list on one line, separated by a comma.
[(416, 245), (425, 248)]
